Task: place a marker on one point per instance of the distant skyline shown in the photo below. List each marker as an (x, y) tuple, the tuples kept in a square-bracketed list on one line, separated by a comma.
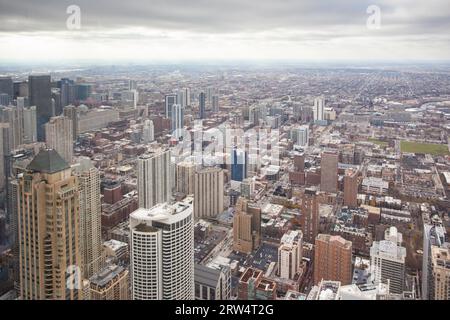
[(261, 30)]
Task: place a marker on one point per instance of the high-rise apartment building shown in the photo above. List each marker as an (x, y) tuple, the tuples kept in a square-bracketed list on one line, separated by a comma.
[(318, 109), (388, 261), (246, 226), (290, 254), (208, 192), (309, 215), (351, 188), (332, 259), (154, 178), (162, 252), (71, 112), (440, 266), (59, 136), (185, 173), (39, 88), (48, 230), (148, 132), (29, 125), (329, 172), (110, 283), (90, 216), (177, 118)]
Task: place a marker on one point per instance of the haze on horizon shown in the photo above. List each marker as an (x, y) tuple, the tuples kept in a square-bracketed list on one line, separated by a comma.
[(113, 30)]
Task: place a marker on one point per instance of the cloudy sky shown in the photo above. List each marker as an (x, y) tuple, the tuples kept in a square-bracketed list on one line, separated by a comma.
[(138, 30)]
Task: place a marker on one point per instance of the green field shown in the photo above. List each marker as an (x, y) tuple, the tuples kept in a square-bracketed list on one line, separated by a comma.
[(416, 147), (378, 142)]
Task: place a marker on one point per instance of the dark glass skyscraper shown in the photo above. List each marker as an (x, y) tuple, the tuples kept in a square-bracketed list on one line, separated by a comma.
[(41, 97), (7, 86), (238, 165), (201, 104)]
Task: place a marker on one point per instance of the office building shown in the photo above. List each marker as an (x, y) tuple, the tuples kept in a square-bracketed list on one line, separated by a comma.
[(59, 136), (329, 172), (67, 92), (290, 254), (246, 226), (154, 178), (239, 163), (40, 96), (170, 100), (332, 259), (71, 112), (208, 192), (7, 87), (29, 125), (162, 252), (90, 216), (388, 261), (202, 105), (48, 235), (300, 136)]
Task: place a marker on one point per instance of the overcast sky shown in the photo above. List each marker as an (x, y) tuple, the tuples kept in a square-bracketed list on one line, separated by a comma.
[(138, 30)]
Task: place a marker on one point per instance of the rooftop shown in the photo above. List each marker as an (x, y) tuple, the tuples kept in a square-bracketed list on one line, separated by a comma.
[(48, 161)]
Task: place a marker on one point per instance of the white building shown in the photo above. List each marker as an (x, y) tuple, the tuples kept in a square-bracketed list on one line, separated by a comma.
[(177, 117), (290, 254), (154, 178), (318, 109), (300, 136), (388, 261), (162, 252), (148, 131)]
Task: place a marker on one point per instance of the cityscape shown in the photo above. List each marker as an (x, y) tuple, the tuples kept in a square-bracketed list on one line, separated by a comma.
[(265, 179)]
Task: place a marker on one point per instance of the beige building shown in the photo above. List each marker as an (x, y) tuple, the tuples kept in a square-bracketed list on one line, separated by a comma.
[(90, 216), (246, 227), (208, 192), (48, 230), (59, 136), (332, 259), (111, 283), (329, 172), (440, 263), (185, 172)]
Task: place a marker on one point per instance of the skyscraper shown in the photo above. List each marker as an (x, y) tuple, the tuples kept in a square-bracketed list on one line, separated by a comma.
[(318, 109), (68, 91), (177, 117), (185, 173), (154, 178), (300, 136), (59, 136), (388, 261), (290, 254), (48, 225), (90, 216), (351, 188), (7, 87), (215, 103), (239, 162), (309, 215), (187, 96), (162, 252), (40, 96), (71, 112), (440, 266), (246, 226), (329, 172), (29, 125), (148, 132), (202, 105), (170, 100), (332, 259), (208, 192)]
